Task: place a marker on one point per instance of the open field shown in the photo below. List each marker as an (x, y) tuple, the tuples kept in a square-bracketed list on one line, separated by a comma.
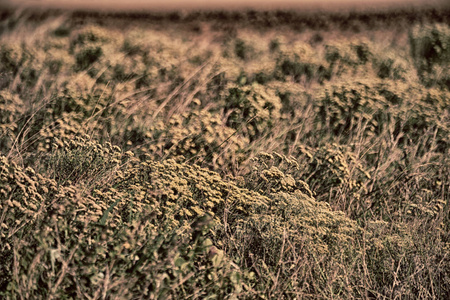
[(225, 154)]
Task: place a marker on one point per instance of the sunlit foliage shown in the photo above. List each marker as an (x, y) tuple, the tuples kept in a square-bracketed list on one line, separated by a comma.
[(202, 160)]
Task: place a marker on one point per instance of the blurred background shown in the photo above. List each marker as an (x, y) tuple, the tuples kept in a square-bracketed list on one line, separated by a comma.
[(133, 5)]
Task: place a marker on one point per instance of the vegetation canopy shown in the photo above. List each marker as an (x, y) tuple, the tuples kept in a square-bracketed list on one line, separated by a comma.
[(225, 155)]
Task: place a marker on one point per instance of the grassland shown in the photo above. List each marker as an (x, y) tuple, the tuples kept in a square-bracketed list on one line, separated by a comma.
[(225, 155)]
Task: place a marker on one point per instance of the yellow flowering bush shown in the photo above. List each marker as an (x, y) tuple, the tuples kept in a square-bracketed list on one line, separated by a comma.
[(112, 233), (217, 155), (251, 109), (11, 111)]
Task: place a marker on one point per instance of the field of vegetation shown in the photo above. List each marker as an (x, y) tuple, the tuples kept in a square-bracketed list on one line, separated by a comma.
[(225, 155)]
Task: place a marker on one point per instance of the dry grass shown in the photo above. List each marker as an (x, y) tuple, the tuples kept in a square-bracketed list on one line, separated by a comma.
[(209, 161)]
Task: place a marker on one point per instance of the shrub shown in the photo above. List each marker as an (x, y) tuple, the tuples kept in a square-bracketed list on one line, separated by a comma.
[(12, 57), (62, 31), (58, 61), (351, 202), (78, 106), (389, 67), (346, 107), (363, 52), (90, 35), (114, 234), (12, 109), (295, 241), (252, 110), (133, 46), (22, 61), (347, 57), (272, 173), (344, 172), (185, 192), (79, 159), (128, 69), (274, 45), (430, 47), (242, 49), (199, 136), (302, 64), (86, 56)]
